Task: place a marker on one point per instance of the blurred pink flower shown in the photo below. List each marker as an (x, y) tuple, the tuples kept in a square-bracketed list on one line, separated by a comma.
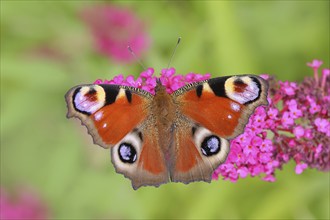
[(114, 28), (24, 204), (315, 64)]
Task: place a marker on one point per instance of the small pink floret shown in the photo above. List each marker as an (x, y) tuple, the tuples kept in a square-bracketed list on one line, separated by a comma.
[(299, 131), (315, 64), (322, 124), (300, 168)]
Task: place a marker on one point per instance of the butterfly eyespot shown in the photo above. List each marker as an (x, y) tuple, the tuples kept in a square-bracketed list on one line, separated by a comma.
[(211, 145), (127, 153), (88, 99)]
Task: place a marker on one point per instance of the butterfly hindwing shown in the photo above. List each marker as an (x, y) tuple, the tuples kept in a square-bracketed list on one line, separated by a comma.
[(139, 157), (198, 153)]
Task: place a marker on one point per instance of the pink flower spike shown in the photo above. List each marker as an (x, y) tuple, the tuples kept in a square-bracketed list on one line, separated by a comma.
[(300, 168)]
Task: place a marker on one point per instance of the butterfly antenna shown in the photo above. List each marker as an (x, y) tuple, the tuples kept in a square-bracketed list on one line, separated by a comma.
[(176, 46), (137, 59)]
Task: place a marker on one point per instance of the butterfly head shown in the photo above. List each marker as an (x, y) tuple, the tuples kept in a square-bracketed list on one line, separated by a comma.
[(160, 88)]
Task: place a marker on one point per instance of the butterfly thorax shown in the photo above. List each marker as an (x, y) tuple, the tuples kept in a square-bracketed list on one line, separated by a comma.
[(163, 109)]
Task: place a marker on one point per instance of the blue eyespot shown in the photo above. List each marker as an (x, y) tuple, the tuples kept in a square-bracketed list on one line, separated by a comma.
[(211, 145), (127, 153)]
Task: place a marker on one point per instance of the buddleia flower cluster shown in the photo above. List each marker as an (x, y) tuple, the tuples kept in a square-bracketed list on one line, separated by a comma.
[(294, 126)]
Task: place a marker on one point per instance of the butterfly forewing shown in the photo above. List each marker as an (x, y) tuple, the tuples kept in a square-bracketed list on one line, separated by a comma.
[(223, 105), (108, 111)]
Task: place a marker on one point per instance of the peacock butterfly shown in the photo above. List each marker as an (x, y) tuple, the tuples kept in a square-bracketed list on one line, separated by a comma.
[(178, 137)]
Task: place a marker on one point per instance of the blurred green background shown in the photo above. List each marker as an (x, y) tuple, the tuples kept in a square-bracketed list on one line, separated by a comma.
[(42, 149)]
